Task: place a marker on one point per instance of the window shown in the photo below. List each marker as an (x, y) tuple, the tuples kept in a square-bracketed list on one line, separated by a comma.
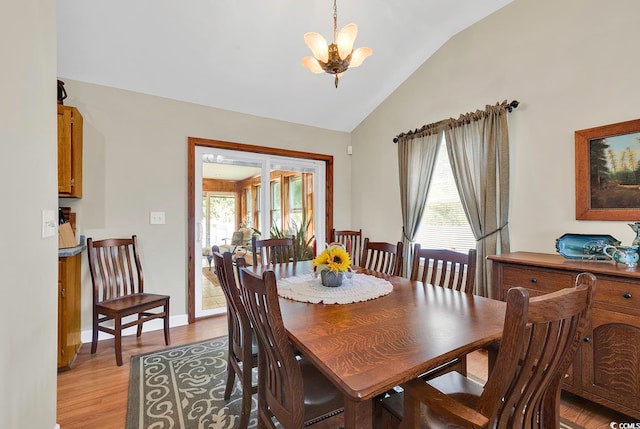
[(248, 214), (257, 207), (218, 213), (276, 204), (444, 224), (295, 200)]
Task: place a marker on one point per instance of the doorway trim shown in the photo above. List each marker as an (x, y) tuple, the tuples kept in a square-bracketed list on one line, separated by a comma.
[(192, 142)]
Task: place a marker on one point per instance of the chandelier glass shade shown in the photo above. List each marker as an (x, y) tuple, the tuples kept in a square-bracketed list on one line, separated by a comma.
[(337, 57)]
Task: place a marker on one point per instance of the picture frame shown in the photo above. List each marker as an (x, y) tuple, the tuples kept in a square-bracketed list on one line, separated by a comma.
[(608, 172)]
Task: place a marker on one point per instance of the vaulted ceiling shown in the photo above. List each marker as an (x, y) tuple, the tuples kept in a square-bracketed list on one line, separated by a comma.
[(244, 55)]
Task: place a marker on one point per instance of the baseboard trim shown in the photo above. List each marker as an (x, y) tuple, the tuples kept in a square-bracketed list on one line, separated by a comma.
[(57, 426), (152, 325)]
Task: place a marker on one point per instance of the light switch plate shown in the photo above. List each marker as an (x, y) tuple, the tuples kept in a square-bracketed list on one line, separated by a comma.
[(156, 218), (48, 223)]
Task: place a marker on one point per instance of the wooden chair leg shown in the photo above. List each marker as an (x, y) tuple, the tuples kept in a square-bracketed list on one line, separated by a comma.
[(463, 366), (118, 339), (139, 327), (247, 393), (94, 338), (246, 409), (231, 378), (411, 413), (166, 323)]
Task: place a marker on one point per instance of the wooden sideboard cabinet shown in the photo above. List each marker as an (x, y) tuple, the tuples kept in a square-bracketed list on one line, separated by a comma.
[(68, 310), (69, 152), (606, 368)]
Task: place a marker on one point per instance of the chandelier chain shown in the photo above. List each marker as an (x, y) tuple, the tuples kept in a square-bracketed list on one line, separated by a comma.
[(335, 21)]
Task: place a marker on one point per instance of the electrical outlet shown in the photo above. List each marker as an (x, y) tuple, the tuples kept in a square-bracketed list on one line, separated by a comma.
[(156, 218)]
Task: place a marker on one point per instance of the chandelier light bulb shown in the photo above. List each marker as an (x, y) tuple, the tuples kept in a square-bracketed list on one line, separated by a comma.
[(318, 46), (346, 38), (312, 64), (359, 55)]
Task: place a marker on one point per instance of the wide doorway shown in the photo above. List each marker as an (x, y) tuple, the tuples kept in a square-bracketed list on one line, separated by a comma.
[(237, 193)]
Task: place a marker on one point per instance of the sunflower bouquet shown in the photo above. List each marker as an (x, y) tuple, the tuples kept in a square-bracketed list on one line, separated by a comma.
[(334, 258)]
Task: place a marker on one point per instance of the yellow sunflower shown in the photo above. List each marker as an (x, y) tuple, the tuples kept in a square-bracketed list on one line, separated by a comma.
[(338, 259), (321, 259)]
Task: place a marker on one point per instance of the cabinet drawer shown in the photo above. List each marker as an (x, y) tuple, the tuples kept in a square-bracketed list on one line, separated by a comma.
[(536, 279), (618, 292)]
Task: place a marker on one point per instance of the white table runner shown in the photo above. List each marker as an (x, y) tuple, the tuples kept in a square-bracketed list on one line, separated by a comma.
[(308, 288)]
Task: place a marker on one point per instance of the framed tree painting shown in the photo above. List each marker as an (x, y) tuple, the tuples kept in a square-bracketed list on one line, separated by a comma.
[(608, 172)]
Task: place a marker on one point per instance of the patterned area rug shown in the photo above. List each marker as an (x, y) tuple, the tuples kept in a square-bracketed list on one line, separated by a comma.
[(182, 388)]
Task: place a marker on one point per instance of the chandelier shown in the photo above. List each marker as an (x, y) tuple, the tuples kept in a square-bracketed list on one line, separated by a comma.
[(337, 57)]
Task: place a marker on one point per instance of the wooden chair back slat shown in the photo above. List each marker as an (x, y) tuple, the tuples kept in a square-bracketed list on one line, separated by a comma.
[(382, 257), (273, 251), (116, 268), (445, 268), (352, 241)]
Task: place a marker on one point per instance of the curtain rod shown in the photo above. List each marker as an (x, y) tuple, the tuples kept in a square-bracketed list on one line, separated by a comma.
[(509, 106)]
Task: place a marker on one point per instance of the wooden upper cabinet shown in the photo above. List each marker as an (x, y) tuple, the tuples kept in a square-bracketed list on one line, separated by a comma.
[(69, 152)]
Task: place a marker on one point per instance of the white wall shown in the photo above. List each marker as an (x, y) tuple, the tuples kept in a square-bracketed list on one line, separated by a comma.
[(573, 64), (28, 263), (135, 161)]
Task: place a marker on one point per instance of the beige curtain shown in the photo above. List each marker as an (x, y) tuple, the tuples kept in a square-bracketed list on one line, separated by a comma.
[(478, 147), (417, 155)]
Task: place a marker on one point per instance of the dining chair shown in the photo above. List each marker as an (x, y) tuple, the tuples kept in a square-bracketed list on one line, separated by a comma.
[(382, 257), (449, 269), (539, 340), (243, 346), (352, 241), (446, 268), (118, 291), (290, 388), (273, 251)]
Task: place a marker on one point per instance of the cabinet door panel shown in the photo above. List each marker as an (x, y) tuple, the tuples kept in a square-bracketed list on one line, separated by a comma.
[(69, 152), (68, 310), (64, 151), (61, 316), (611, 358)]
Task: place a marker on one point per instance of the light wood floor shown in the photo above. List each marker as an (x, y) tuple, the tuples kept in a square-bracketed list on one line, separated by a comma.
[(93, 394)]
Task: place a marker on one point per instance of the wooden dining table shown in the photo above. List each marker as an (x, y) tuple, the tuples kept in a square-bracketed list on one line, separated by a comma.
[(367, 348)]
